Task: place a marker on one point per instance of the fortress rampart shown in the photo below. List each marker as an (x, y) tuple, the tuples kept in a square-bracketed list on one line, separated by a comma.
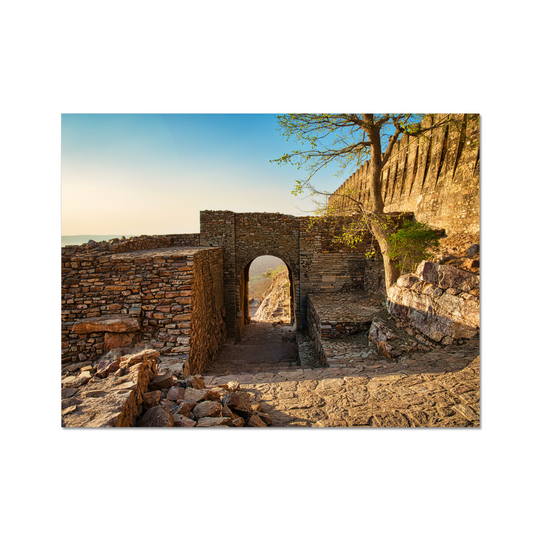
[(436, 176)]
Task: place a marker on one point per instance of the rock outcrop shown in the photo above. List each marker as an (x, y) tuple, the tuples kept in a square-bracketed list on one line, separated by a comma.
[(440, 301), (276, 306)]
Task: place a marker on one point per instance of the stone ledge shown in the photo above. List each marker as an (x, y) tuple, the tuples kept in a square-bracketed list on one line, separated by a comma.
[(113, 323)]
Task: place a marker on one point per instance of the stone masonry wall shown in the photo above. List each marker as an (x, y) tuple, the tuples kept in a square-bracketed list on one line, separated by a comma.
[(218, 230), (136, 243), (315, 262), (437, 177), (207, 327), (154, 288), (261, 233)]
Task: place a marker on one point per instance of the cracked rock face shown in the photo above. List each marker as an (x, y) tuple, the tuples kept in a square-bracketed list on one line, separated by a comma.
[(440, 301)]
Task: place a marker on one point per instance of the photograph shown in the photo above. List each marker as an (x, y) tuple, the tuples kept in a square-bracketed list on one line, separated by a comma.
[(271, 270)]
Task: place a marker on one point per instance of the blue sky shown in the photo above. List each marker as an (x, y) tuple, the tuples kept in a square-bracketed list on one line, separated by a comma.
[(153, 173)]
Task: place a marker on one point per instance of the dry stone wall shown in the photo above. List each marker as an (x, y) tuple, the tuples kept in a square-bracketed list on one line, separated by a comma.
[(117, 299), (437, 177)]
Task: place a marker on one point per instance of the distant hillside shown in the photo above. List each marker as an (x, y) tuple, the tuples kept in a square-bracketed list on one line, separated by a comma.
[(262, 264)]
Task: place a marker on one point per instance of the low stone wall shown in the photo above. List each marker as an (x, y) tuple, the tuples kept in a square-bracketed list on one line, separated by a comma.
[(338, 315), (440, 301), (136, 243), (168, 294)]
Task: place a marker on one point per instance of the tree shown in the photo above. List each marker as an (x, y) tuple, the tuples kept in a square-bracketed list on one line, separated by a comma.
[(351, 139)]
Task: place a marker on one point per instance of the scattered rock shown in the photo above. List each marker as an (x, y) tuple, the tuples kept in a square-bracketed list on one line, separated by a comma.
[(256, 421), (207, 409), (181, 420), (184, 408), (473, 250), (176, 393), (157, 417), (151, 399), (195, 381), (162, 381), (239, 401), (68, 392), (214, 422), (195, 394)]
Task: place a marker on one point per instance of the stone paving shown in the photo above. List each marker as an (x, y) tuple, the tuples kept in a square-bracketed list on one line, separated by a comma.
[(440, 388)]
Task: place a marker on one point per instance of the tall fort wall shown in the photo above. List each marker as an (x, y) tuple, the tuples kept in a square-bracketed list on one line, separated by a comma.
[(436, 176)]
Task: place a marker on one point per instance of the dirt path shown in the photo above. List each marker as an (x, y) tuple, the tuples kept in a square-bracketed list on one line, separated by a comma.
[(440, 388)]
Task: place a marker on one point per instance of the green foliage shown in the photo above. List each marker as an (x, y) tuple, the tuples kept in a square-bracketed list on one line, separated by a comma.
[(413, 243)]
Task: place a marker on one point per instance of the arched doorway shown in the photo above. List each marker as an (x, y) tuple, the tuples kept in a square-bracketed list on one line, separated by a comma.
[(266, 292)]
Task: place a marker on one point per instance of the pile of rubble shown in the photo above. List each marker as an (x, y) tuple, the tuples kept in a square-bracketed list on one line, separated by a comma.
[(127, 387), (189, 403)]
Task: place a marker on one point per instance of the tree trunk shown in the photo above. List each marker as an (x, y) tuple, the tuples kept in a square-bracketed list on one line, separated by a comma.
[(391, 271)]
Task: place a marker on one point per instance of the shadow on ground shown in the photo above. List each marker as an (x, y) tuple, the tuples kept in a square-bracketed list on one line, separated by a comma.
[(440, 388)]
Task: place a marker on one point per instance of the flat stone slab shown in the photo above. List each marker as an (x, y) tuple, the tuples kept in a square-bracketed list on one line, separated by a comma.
[(333, 308), (112, 323)]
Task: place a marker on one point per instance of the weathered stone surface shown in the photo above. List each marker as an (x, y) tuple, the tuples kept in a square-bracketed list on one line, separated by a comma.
[(473, 250), (157, 417), (207, 409), (161, 382), (151, 399), (76, 382), (195, 381), (256, 421), (114, 401), (453, 313), (447, 276), (180, 420), (68, 392), (185, 409), (233, 386), (129, 360), (266, 418), (176, 393), (195, 394), (114, 323), (238, 422), (239, 401), (116, 340), (214, 422)]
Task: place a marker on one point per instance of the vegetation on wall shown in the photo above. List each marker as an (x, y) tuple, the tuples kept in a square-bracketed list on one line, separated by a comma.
[(350, 140)]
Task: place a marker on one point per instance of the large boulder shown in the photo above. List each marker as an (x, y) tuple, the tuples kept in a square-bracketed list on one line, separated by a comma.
[(440, 301)]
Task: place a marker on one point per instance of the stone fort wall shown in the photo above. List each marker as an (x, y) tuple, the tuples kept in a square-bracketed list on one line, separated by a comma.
[(171, 297), (315, 261), (436, 176)]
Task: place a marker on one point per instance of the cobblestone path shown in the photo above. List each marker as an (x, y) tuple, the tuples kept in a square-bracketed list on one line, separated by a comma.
[(440, 388)]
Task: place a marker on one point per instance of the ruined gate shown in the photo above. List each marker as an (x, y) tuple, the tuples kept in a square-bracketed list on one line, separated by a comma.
[(315, 262)]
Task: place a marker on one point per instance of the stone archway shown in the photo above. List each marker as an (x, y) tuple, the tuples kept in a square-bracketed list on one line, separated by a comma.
[(315, 262), (244, 292)]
